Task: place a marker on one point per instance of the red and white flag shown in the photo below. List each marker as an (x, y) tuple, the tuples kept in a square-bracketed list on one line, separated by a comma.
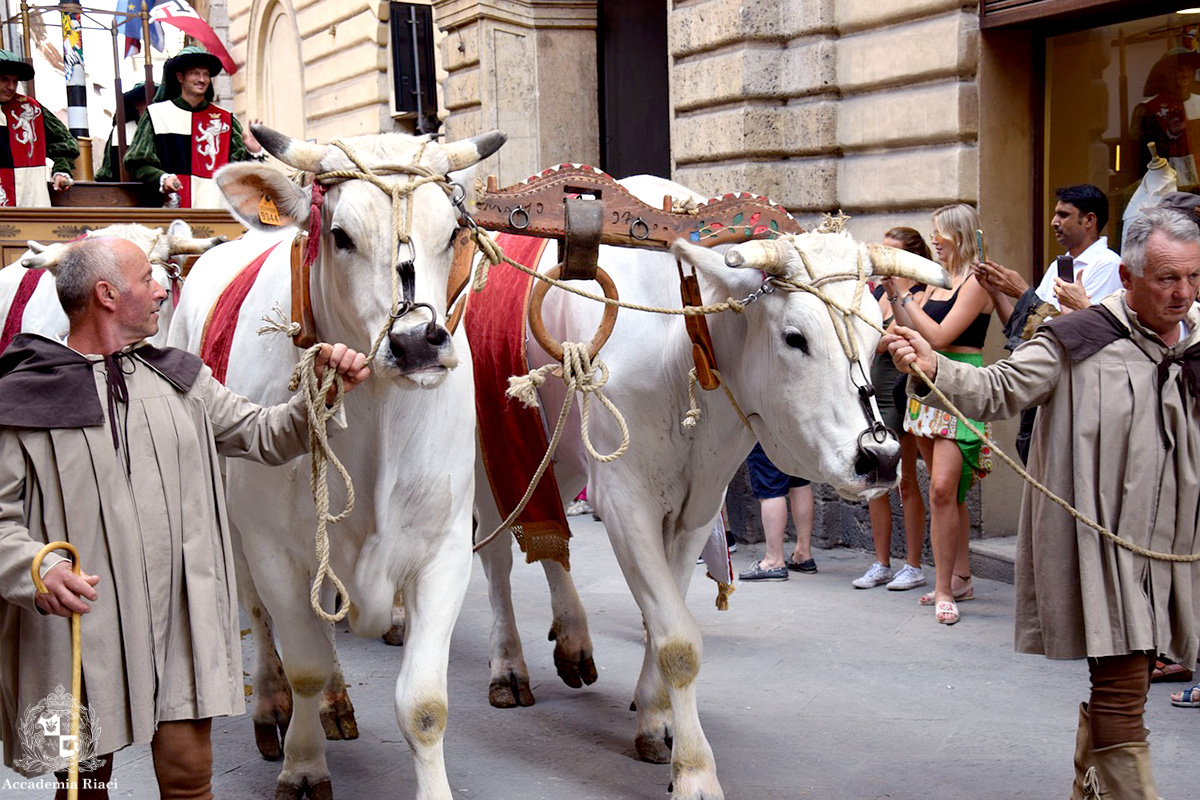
[(184, 17)]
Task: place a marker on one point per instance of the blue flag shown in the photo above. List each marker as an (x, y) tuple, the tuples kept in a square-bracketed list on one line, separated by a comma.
[(133, 28)]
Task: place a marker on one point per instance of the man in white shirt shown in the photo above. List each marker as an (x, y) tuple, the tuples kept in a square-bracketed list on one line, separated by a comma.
[(1079, 215)]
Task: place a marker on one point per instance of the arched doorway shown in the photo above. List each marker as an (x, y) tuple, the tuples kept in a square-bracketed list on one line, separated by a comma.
[(279, 75)]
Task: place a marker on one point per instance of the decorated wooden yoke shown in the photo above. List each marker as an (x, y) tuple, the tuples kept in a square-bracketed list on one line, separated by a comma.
[(583, 208)]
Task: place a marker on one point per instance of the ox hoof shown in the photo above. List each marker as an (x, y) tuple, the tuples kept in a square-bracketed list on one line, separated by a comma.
[(510, 691), (321, 790), (394, 636), (337, 718), (269, 738), (575, 672), (653, 749)]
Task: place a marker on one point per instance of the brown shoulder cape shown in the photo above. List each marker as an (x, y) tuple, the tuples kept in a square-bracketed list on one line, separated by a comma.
[(45, 384)]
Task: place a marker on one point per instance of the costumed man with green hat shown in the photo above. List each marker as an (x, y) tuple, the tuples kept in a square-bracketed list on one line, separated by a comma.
[(183, 139), (135, 106), (29, 134)]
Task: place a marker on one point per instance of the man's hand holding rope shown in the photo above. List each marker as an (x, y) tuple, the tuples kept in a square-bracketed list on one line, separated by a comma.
[(351, 365), (908, 348)]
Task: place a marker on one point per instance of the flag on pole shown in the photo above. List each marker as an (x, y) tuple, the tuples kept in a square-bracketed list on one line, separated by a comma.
[(133, 28), (181, 15)]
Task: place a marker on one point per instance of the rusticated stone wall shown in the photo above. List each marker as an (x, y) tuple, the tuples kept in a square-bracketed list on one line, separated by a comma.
[(856, 104)]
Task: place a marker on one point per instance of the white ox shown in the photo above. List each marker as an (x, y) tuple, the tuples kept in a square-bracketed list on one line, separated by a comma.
[(784, 365), (43, 314), (410, 443)]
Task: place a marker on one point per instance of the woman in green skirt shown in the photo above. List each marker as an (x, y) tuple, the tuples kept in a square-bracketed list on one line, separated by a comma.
[(955, 322)]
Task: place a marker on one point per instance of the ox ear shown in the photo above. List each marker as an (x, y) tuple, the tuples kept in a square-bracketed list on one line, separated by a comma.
[(733, 282), (244, 185)]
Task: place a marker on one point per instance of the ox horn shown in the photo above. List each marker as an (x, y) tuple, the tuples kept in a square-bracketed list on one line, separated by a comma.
[(296, 153), (769, 255), (892, 261), (190, 246), (466, 152), (46, 256)]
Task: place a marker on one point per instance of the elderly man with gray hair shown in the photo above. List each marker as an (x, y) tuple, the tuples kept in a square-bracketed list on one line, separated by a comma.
[(1118, 437), (113, 445)]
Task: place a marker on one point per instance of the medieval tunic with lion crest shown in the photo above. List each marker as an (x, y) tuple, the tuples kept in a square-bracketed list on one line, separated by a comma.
[(191, 143), (29, 134), (147, 516), (1117, 437)]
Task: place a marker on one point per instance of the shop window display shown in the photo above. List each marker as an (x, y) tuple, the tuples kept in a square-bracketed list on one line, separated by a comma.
[(1122, 111)]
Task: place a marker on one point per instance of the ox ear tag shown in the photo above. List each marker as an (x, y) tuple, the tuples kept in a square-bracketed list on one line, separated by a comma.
[(268, 214)]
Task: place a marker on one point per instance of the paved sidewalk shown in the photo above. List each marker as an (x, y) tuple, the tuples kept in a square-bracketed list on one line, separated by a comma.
[(809, 689)]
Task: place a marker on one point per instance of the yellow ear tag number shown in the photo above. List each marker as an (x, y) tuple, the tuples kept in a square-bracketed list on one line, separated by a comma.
[(268, 214)]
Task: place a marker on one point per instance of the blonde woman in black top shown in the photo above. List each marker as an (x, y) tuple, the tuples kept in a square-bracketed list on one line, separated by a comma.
[(955, 323)]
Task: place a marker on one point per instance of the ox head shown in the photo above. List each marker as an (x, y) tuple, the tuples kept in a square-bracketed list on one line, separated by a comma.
[(359, 264), (805, 388)]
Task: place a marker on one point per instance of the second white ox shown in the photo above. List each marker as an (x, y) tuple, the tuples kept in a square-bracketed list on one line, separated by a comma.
[(43, 313), (788, 371), (410, 441)]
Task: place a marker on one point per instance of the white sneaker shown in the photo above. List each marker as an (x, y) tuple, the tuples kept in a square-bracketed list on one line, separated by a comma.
[(579, 507), (909, 577), (876, 575)]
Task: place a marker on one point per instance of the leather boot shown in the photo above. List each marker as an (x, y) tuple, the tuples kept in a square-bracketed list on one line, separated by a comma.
[(1125, 771), (1087, 782), (183, 759), (92, 785)]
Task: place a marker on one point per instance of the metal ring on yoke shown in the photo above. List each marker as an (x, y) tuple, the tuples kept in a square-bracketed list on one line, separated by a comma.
[(538, 329), (512, 218)]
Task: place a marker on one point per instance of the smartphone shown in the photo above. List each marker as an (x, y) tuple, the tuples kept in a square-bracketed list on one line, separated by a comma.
[(980, 245), (1066, 268)]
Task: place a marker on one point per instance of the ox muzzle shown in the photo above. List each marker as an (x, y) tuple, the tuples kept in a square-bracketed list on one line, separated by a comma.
[(878, 454), (416, 347)]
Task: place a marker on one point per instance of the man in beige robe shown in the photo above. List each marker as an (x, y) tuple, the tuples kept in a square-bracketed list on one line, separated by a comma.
[(113, 445), (1118, 438)]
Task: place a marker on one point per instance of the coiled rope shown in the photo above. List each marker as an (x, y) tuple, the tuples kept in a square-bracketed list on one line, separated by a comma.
[(581, 373)]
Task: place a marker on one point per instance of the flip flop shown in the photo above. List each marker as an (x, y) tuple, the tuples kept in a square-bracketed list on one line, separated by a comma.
[(1192, 696), (964, 593), (947, 613), (1169, 672)]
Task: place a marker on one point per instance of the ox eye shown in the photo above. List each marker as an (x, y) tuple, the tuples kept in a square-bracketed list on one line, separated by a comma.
[(341, 240), (795, 339), (453, 236)]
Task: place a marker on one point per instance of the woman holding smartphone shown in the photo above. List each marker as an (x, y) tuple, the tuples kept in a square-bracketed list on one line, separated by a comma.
[(955, 322)]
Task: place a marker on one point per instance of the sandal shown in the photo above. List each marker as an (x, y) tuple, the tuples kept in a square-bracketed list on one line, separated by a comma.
[(947, 613), (1188, 698), (1169, 672), (961, 594)]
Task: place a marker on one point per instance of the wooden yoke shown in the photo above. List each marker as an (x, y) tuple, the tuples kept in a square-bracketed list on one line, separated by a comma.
[(534, 207), (549, 205)]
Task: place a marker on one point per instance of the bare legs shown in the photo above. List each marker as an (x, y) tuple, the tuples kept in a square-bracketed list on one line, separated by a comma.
[(774, 512), (949, 520), (912, 506)]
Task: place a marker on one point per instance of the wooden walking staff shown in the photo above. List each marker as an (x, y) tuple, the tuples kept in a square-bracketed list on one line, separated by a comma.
[(76, 659)]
